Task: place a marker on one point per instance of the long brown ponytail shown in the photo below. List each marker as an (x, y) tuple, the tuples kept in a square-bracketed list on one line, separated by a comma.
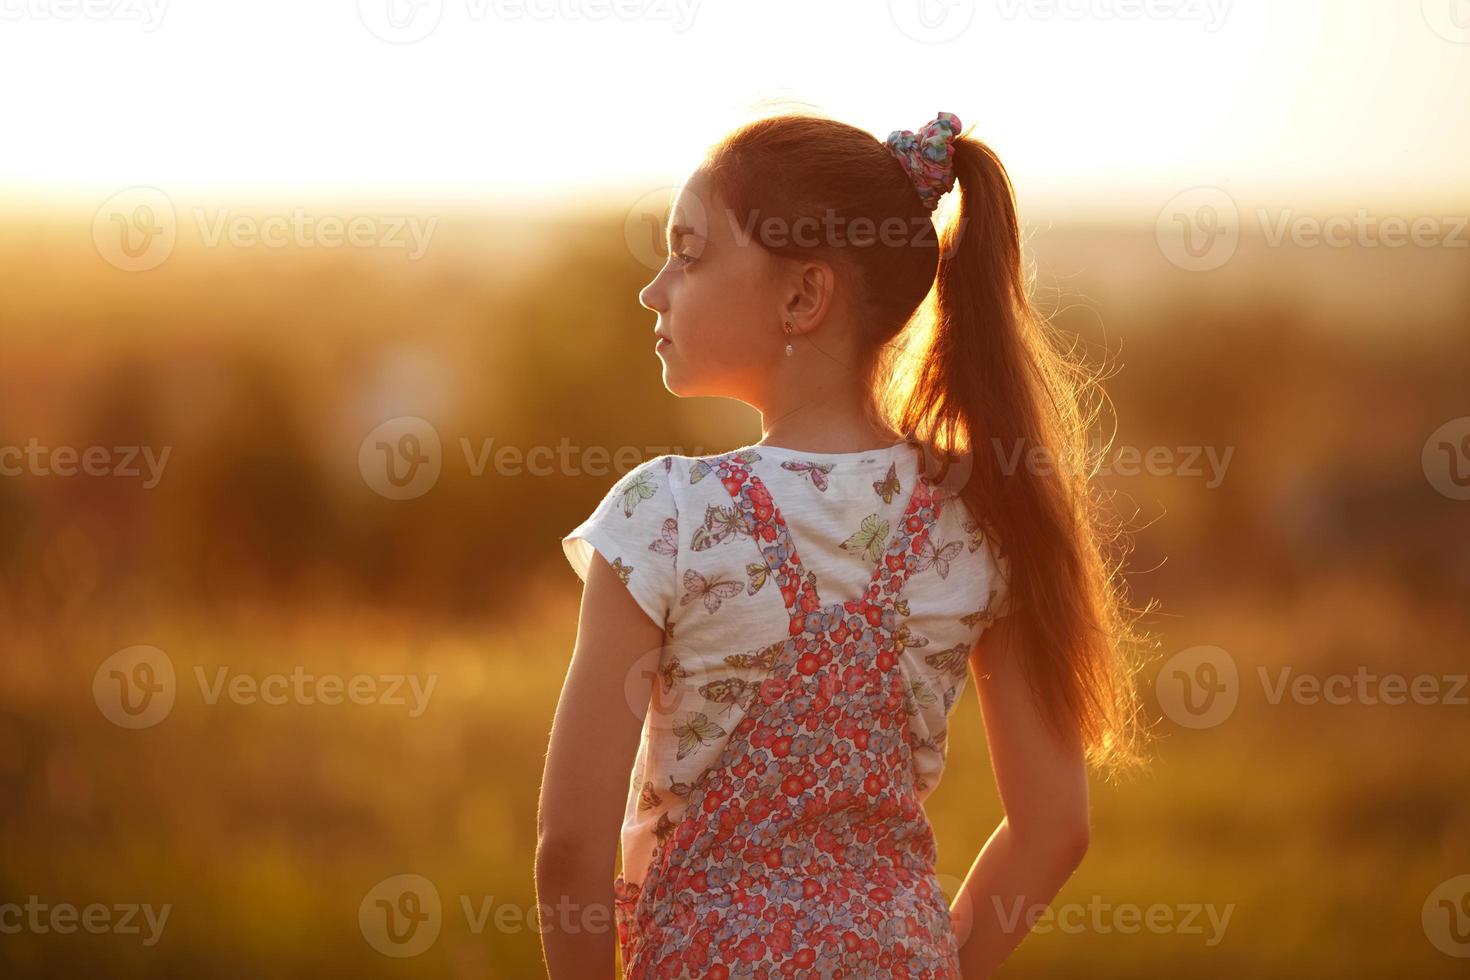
[(955, 354), (991, 376)]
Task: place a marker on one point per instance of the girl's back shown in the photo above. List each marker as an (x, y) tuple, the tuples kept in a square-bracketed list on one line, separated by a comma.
[(818, 611)]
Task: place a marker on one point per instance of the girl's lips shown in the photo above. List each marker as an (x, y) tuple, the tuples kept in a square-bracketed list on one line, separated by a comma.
[(662, 342)]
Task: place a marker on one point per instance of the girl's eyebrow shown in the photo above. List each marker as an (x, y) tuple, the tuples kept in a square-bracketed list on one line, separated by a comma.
[(679, 231)]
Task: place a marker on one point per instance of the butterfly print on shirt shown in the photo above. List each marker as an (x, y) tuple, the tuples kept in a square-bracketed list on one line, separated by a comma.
[(918, 695), (764, 659), (816, 471), (694, 731), (904, 638), (679, 788), (712, 591), (888, 487), (952, 660), (668, 542), (939, 559), (983, 615), (673, 672), (731, 691), (976, 532), (720, 524), (870, 540), (637, 488)]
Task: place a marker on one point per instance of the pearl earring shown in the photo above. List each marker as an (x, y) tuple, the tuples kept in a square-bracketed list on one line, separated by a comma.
[(788, 334)]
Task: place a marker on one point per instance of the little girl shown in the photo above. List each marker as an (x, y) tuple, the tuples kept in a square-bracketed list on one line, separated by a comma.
[(773, 638)]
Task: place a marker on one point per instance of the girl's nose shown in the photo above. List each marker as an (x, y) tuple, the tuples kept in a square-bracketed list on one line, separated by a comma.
[(652, 295)]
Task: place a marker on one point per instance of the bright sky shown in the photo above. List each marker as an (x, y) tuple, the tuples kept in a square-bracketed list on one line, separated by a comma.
[(1092, 103)]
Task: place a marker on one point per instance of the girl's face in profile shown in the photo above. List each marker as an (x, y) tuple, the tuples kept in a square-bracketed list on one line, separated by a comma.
[(717, 298)]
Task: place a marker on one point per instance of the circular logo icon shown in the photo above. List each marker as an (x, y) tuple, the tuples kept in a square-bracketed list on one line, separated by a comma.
[(948, 473), (659, 687), (400, 916), (400, 21), (401, 459), (1198, 687), (135, 687), (1446, 459), (1450, 19), (646, 223), (932, 21), (135, 229), (1446, 917), (1199, 229)]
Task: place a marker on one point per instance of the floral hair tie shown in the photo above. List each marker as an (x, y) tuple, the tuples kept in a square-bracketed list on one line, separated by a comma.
[(928, 156)]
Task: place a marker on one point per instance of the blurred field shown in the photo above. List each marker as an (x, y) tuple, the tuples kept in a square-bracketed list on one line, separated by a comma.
[(1324, 828)]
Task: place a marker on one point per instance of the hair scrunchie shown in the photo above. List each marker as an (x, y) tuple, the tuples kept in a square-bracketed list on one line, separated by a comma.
[(928, 156)]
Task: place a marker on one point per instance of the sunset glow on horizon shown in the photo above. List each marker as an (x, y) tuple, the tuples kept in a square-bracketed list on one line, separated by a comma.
[(1093, 104)]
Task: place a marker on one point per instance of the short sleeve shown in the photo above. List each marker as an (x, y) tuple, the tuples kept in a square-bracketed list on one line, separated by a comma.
[(636, 528)]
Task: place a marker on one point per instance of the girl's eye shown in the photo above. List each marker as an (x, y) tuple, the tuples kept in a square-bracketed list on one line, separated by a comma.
[(683, 257)]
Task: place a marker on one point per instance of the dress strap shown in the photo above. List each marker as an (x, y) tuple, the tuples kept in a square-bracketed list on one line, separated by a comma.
[(762, 519)]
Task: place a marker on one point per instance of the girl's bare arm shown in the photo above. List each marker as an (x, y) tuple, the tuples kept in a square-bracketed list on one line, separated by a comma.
[(594, 738), (1043, 789)]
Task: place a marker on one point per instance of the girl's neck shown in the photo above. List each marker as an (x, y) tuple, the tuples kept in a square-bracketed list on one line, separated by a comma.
[(828, 428)]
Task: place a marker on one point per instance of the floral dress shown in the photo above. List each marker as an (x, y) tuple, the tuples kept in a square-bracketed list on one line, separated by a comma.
[(775, 824)]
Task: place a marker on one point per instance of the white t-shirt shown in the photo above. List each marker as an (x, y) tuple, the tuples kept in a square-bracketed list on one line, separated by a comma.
[(672, 532)]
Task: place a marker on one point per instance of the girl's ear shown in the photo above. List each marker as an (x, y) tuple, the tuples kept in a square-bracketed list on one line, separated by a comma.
[(810, 294)]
